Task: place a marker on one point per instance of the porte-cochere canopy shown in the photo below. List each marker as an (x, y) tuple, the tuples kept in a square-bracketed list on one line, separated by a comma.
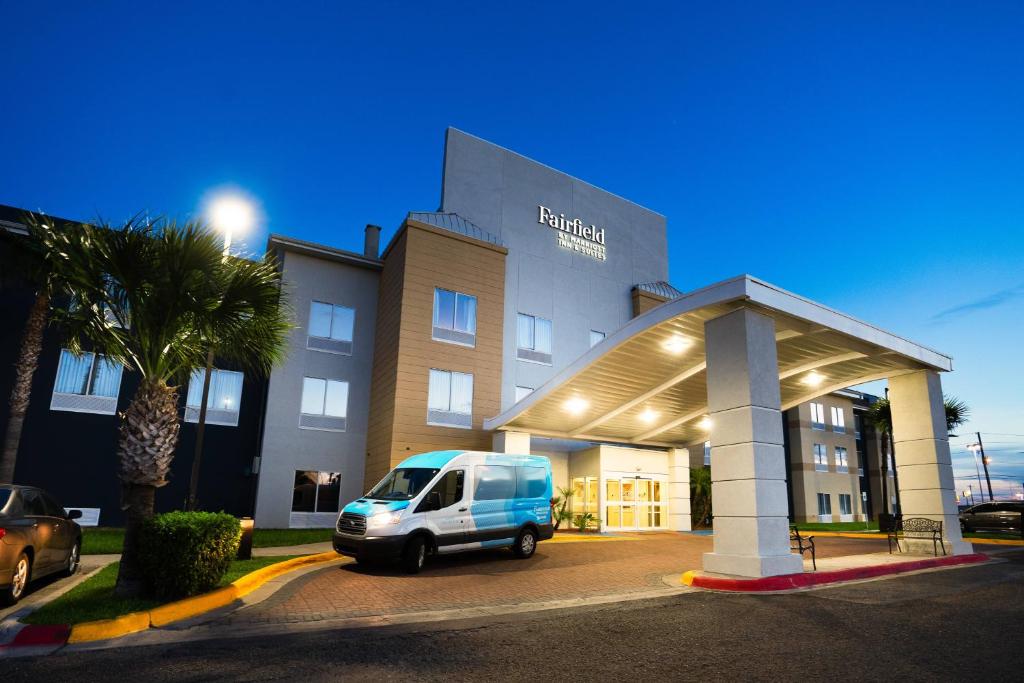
[(646, 384)]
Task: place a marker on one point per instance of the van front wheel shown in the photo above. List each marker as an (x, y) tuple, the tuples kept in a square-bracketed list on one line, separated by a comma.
[(414, 556), (526, 543)]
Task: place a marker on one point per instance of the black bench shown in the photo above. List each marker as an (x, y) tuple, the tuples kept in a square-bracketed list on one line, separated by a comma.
[(802, 544), (917, 527)]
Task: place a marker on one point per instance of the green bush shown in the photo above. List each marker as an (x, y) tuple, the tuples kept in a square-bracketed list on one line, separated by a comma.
[(186, 553)]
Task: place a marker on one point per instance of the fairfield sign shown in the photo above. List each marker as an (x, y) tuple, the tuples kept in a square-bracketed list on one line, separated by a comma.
[(574, 234)]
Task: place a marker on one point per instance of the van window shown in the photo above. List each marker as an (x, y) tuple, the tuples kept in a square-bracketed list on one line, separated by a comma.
[(532, 482), (403, 483), (495, 482), (449, 487)]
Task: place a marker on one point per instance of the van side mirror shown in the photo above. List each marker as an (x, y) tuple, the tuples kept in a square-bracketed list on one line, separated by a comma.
[(74, 514)]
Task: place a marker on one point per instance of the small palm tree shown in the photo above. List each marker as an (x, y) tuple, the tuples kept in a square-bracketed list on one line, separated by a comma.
[(31, 264), (155, 298), (700, 495)]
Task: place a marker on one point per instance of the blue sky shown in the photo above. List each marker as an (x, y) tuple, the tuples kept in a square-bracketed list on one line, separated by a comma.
[(866, 155)]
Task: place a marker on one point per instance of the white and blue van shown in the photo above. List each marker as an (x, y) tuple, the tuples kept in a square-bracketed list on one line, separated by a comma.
[(447, 502)]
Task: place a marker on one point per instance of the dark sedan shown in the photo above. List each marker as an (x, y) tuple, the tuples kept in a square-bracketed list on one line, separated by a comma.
[(997, 516), (37, 538)]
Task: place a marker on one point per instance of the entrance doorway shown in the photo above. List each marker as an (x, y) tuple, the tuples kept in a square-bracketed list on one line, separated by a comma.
[(635, 502)]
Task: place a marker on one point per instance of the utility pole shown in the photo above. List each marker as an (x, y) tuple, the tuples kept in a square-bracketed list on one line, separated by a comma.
[(984, 463)]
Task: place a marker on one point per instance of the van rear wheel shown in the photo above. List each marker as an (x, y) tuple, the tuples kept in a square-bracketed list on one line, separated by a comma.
[(526, 543), (415, 555)]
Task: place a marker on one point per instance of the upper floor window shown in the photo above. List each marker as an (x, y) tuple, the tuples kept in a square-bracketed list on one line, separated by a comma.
[(223, 401), (324, 404), (454, 317), (858, 426), (707, 452), (838, 420), (842, 463), (533, 337), (596, 338), (88, 383), (450, 399), (522, 392), (817, 416), (820, 457), (330, 327)]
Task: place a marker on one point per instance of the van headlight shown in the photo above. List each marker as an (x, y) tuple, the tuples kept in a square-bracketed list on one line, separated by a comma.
[(384, 519)]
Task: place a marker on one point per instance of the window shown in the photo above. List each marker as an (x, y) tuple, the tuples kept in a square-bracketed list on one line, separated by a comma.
[(532, 482), (596, 338), (858, 426), (324, 404), (316, 491), (891, 464), (522, 392), (820, 457), (842, 463), (707, 453), (86, 384), (223, 401), (450, 399), (330, 328), (495, 482), (845, 507), (403, 483), (448, 488), (817, 416), (824, 507), (533, 338), (454, 317), (838, 420)]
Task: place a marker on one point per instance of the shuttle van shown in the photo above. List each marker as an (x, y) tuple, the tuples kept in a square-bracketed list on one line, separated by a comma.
[(448, 502)]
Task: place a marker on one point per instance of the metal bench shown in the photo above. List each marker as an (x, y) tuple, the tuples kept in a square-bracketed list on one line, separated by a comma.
[(802, 544), (917, 527)]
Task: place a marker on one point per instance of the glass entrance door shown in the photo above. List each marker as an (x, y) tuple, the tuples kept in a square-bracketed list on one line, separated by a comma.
[(635, 502)]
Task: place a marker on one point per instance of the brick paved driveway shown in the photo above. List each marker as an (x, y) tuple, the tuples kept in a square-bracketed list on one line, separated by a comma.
[(558, 571)]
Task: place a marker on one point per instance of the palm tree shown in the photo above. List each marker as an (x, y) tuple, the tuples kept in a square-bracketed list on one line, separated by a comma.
[(700, 494), (155, 298), (880, 416), (31, 264)]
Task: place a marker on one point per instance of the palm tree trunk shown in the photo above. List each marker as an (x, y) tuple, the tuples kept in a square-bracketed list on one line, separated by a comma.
[(28, 360), (149, 436)]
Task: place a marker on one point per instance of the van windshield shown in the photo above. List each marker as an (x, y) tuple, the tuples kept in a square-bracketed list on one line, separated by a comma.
[(403, 483)]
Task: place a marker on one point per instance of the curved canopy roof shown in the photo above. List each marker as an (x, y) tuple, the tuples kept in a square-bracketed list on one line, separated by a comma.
[(645, 384)]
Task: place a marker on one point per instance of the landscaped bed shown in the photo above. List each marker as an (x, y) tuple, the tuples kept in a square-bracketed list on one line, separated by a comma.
[(109, 540), (93, 599)]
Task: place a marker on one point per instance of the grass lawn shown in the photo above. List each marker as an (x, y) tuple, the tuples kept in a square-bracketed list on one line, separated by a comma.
[(103, 540), (94, 598), (837, 526)]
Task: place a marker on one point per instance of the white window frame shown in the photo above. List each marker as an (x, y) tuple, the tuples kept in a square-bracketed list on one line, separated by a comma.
[(530, 353), (820, 457), (824, 511), (85, 402), (457, 419), (322, 421), (842, 459), (817, 416), (315, 519), (331, 344), (848, 515), (449, 333), (224, 416), (838, 420)]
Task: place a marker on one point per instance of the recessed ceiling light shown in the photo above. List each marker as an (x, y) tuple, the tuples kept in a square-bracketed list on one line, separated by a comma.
[(813, 379), (705, 423), (677, 343), (648, 416), (576, 405)]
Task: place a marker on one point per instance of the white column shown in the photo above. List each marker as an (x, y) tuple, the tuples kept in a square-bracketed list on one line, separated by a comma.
[(513, 443), (679, 489), (922, 457), (748, 468)]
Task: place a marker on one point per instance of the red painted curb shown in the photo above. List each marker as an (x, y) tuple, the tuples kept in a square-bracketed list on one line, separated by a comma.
[(808, 579), (34, 635)]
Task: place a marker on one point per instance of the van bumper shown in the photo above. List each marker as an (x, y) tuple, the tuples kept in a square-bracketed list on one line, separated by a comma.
[(369, 547), (546, 531)]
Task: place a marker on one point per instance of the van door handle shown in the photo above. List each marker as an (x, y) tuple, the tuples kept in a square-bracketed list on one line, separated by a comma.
[(463, 509)]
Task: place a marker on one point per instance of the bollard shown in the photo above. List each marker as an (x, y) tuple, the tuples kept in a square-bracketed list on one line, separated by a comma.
[(245, 545)]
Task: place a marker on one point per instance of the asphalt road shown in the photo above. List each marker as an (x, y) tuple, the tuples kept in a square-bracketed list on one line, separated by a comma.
[(954, 624)]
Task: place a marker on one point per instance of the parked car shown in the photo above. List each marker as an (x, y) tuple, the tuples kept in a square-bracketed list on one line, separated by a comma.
[(449, 502), (997, 516), (37, 538)]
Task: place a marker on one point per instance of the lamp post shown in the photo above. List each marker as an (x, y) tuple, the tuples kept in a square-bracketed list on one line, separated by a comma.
[(976, 448), (228, 214)]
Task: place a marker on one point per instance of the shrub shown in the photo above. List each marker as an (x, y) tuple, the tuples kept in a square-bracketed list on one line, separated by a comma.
[(186, 553)]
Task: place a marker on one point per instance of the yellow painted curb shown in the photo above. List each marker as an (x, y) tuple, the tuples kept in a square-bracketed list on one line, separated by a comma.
[(588, 539), (191, 607), (688, 577)]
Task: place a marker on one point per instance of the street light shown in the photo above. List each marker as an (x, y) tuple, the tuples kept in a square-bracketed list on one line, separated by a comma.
[(228, 213)]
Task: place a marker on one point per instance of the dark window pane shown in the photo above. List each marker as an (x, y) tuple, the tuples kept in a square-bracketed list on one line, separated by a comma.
[(495, 482), (304, 493), (328, 491), (33, 503), (450, 487), (532, 482)]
